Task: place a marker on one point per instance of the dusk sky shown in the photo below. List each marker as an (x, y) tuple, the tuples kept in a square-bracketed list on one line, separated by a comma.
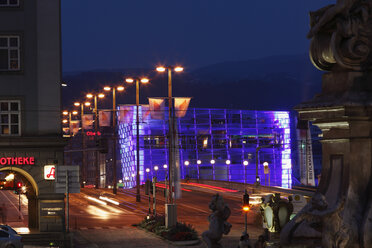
[(115, 34)]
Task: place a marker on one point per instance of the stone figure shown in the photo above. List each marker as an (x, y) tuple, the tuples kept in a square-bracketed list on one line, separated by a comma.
[(275, 212), (341, 36), (218, 224), (340, 212)]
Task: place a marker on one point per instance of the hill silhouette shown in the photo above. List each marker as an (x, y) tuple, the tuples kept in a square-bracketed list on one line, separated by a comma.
[(272, 83)]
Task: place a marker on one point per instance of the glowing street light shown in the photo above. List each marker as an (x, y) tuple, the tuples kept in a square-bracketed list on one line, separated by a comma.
[(114, 174), (147, 170), (245, 163), (95, 96), (213, 161), (187, 163), (228, 162), (171, 128), (144, 81), (199, 161)]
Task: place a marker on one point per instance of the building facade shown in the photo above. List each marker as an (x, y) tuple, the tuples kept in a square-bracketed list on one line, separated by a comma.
[(30, 123), (215, 144)]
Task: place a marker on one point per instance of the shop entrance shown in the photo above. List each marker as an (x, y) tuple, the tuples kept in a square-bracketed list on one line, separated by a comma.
[(19, 188)]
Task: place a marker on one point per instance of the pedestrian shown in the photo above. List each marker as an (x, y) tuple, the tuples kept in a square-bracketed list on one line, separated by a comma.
[(244, 241)]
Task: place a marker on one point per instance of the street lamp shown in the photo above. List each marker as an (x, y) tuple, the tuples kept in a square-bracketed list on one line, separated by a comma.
[(144, 81), (95, 96), (83, 162), (171, 125), (114, 89)]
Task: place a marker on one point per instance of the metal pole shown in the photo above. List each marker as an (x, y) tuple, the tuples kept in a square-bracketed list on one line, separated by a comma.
[(257, 182), (154, 195), (170, 134), (138, 196), (83, 162), (19, 204), (149, 191), (96, 130), (67, 204), (114, 190), (245, 222)]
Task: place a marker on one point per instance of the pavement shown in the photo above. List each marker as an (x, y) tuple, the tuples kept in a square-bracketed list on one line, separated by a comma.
[(132, 237)]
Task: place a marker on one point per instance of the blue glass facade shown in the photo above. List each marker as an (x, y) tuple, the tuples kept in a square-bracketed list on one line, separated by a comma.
[(216, 144)]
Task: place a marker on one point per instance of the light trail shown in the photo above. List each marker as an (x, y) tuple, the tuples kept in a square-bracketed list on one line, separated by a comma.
[(96, 200), (211, 187), (160, 185), (109, 200)]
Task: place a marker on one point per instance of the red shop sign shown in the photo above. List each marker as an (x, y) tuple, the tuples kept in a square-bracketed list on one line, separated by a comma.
[(17, 160), (89, 133)]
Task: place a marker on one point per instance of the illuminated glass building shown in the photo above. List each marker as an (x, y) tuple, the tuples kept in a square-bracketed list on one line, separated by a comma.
[(215, 144)]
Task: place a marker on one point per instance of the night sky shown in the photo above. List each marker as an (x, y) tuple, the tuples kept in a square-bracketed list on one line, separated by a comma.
[(115, 34)]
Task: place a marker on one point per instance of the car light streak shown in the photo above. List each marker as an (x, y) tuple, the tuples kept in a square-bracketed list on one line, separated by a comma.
[(96, 200), (160, 185), (109, 200), (211, 187)]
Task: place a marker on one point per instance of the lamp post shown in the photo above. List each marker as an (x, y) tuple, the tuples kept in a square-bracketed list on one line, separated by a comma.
[(144, 81), (171, 208), (171, 126), (83, 145), (257, 182), (119, 88), (69, 114), (95, 96)]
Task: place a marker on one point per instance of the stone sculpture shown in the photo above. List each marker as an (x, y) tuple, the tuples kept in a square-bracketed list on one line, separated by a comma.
[(340, 213), (218, 224), (341, 36), (275, 212)]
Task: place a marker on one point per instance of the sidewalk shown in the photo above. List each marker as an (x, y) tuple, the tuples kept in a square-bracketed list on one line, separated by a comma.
[(132, 237)]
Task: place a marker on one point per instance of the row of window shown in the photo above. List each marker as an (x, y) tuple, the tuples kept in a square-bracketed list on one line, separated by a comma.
[(10, 111)]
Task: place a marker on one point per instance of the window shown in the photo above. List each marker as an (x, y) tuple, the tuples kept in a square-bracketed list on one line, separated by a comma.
[(10, 116), (4, 234), (9, 53), (9, 3)]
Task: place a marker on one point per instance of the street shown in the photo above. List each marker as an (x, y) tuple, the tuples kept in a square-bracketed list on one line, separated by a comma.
[(108, 223)]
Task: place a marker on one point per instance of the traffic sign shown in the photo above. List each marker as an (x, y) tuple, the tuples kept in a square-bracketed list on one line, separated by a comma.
[(71, 173)]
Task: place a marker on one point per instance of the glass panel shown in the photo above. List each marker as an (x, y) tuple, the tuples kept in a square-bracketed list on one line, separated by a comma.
[(4, 106), (4, 119), (3, 41), (14, 106), (13, 42), (14, 54), (14, 129), (3, 2), (14, 118), (4, 63), (13, 2), (4, 129)]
